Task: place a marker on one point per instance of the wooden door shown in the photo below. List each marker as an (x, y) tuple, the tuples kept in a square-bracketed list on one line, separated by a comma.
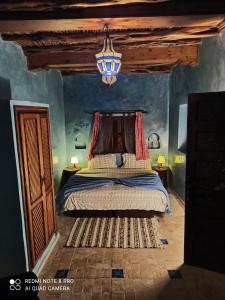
[(48, 176), (33, 137), (205, 182)]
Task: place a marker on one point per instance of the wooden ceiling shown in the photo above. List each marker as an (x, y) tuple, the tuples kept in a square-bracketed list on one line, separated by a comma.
[(152, 35)]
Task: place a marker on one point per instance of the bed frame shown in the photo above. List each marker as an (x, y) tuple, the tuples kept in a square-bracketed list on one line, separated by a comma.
[(112, 213)]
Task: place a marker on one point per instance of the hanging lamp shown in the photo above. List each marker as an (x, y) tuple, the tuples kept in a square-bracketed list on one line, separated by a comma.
[(108, 61)]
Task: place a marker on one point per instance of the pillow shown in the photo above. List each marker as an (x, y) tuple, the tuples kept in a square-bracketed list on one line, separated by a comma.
[(129, 161), (105, 161)]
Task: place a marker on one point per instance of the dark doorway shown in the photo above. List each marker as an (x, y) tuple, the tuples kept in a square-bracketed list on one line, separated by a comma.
[(205, 182)]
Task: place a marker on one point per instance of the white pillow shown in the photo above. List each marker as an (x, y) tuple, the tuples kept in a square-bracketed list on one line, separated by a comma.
[(104, 161), (129, 161)]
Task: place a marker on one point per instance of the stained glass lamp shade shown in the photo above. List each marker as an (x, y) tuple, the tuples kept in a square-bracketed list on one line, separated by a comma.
[(108, 61)]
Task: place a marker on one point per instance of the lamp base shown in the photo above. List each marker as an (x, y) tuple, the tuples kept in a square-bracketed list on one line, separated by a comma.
[(160, 166), (76, 167)]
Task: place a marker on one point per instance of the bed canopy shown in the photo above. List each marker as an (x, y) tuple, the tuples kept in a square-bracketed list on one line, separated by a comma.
[(124, 133)]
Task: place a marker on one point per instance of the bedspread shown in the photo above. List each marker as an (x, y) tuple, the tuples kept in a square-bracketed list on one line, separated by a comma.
[(116, 189)]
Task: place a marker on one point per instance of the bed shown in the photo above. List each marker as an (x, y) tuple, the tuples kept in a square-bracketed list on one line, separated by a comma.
[(104, 186), (118, 196)]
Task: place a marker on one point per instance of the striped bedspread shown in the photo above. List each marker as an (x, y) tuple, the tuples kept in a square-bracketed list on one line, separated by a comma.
[(114, 189)]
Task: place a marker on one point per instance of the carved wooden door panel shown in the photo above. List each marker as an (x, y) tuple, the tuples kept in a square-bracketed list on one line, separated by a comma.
[(33, 137), (48, 176), (205, 182)]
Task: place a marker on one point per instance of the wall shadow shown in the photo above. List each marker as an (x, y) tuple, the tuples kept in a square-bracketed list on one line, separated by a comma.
[(196, 283)]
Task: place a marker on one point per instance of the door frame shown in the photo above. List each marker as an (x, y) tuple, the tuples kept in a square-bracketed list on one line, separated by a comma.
[(54, 238)]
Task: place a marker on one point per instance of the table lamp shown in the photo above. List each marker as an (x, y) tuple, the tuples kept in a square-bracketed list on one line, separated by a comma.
[(161, 160), (74, 161)]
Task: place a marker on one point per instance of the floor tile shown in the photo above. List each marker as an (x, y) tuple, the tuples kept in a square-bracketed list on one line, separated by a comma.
[(145, 270)]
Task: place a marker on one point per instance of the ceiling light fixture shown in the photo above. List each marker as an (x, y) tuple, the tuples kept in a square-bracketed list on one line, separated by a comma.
[(108, 61)]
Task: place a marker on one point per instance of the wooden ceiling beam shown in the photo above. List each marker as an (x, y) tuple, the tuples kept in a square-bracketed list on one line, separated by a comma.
[(126, 65), (51, 5), (152, 35), (26, 10), (95, 48), (32, 43), (155, 68), (187, 55), (151, 68), (198, 23)]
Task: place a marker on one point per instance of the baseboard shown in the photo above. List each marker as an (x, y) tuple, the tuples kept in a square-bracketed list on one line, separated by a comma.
[(42, 261)]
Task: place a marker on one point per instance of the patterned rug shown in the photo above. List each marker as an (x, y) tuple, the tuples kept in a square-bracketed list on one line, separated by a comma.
[(115, 233)]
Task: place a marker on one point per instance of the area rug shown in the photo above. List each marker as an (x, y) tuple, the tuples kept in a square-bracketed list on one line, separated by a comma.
[(115, 233)]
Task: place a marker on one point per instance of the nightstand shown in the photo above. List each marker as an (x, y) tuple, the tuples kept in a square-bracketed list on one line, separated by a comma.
[(66, 174), (163, 174)]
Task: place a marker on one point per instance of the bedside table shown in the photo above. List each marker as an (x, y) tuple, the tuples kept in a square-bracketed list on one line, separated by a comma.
[(163, 174), (66, 174)]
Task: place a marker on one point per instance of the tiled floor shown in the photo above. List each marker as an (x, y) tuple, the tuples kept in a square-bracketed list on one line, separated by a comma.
[(145, 270)]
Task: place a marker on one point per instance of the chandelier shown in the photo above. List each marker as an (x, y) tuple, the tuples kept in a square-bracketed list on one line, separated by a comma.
[(108, 61)]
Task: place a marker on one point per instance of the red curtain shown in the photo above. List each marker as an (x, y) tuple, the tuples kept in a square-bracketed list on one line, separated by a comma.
[(140, 143), (103, 144), (95, 133)]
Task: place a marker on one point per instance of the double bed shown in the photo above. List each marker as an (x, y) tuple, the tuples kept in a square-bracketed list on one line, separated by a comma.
[(104, 186), (117, 196)]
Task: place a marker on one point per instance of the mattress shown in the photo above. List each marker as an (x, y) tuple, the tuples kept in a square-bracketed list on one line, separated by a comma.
[(116, 197)]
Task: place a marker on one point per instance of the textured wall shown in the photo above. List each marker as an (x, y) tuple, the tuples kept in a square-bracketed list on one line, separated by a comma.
[(209, 76), (19, 84), (47, 87), (87, 92)]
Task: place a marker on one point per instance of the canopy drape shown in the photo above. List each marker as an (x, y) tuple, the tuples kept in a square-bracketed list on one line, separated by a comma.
[(95, 134), (111, 134), (141, 148), (103, 145)]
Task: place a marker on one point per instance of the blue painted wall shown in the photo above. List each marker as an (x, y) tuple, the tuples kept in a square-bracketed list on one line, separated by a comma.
[(87, 92), (17, 83), (209, 76)]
